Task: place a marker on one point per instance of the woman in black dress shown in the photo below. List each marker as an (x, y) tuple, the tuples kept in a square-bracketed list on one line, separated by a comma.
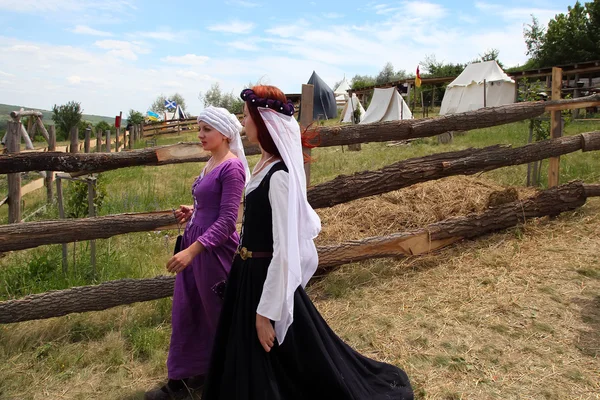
[(271, 342)]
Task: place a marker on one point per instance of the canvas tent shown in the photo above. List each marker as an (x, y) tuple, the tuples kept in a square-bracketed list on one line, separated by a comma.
[(351, 105), (341, 93), (386, 105), (324, 106), (177, 114), (466, 92)]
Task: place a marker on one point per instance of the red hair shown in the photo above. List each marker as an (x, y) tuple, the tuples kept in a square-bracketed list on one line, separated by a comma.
[(264, 137)]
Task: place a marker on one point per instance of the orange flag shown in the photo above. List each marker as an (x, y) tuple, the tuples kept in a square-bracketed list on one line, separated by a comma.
[(418, 78)]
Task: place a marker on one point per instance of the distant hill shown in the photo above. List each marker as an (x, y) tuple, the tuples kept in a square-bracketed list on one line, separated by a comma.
[(5, 110)]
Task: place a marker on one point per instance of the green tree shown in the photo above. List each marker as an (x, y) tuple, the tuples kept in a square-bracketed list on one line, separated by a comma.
[(361, 81), (569, 38), (490, 55), (159, 104), (432, 68), (103, 126), (216, 98), (65, 117), (135, 117)]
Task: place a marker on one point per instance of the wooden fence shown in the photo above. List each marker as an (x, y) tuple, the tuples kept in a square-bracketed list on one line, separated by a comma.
[(342, 189)]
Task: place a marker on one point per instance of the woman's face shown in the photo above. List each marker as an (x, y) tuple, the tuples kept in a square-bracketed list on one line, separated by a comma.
[(249, 126), (210, 138)]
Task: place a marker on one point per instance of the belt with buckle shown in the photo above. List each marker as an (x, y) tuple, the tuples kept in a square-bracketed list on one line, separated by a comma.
[(246, 254)]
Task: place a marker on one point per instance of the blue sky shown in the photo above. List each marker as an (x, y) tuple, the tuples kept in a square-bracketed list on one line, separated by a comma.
[(114, 55)]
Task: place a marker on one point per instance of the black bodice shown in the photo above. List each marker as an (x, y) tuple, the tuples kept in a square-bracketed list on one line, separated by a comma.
[(257, 223)]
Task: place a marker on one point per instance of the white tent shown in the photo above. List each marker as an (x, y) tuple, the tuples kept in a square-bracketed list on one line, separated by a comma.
[(341, 93), (466, 92), (177, 114), (386, 105), (351, 105)]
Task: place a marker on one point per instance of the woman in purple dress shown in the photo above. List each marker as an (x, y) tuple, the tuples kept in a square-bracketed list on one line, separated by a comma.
[(208, 246)]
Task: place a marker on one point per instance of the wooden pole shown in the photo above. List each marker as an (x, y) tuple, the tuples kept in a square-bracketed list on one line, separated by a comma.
[(306, 118), (129, 142), (50, 174), (86, 146), (576, 94), (61, 214), (555, 126), (42, 128), (118, 139), (91, 182), (74, 148), (484, 93), (108, 146), (13, 146), (422, 104), (98, 140)]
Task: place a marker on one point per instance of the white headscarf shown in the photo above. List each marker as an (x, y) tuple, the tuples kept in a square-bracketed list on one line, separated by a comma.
[(303, 222), (229, 126)]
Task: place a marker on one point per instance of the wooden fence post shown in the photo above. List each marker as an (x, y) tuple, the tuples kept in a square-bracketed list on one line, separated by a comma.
[(555, 126), (91, 182), (98, 140), (86, 146), (108, 146), (130, 140), (484, 93), (74, 148), (13, 145), (306, 118), (117, 139), (50, 174), (61, 214)]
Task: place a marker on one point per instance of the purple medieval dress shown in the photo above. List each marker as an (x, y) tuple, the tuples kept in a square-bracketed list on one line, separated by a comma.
[(196, 307)]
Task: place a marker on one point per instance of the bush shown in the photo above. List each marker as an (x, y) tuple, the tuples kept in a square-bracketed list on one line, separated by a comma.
[(76, 195)]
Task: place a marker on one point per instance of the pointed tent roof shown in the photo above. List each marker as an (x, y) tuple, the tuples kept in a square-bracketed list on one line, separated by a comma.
[(351, 105), (324, 100), (386, 105), (341, 92), (477, 72)]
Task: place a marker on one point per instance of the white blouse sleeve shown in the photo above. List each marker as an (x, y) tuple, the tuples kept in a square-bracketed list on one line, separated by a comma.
[(273, 295)]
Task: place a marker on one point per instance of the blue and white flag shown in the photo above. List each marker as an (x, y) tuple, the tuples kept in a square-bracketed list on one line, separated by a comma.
[(170, 104)]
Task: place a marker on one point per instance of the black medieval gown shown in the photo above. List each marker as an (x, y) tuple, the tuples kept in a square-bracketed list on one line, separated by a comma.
[(313, 363)]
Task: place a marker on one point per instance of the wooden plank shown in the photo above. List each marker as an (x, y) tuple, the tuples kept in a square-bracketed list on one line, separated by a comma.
[(42, 128), (181, 152), (573, 106), (91, 182), (306, 118), (50, 174), (108, 142), (555, 127), (13, 146), (32, 186), (88, 134)]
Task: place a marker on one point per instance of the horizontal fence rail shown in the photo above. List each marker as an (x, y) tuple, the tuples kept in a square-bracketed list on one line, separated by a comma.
[(328, 136), (339, 190), (420, 241)]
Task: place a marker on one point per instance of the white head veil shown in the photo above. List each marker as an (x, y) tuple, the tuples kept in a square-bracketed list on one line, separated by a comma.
[(303, 222), (229, 126)]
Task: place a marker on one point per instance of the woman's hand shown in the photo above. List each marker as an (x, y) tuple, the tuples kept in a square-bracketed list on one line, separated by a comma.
[(265, 331), (184, 213), (181, 260)]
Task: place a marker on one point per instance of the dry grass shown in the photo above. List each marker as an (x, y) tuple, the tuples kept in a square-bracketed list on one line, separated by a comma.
[(512, 315)]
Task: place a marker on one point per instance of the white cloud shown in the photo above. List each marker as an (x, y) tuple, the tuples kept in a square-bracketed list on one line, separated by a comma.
[(86, 30), (36, 6), (122, 49), (423, 9), (234, 26), (242, 3), (244, 46), (2, 73), (157, 35), (333, 15), (188, 59), (74, 79), (522, 14)]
